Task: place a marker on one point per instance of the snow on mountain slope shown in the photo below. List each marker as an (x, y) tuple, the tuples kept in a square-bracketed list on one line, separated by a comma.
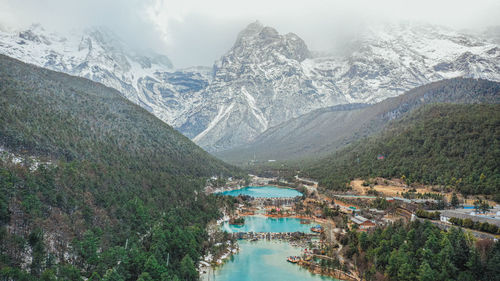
[(326, 130), (271, 78), (144, 77), (388, 60), (262, 82), (266, 78)]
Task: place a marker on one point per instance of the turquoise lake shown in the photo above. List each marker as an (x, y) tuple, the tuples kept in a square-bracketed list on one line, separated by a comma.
[(265, 224), (264, 192), (262, 261)]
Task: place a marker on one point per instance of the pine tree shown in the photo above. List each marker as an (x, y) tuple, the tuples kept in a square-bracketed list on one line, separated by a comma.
[(145, 277), (187, 269), (492, 268), (154, 269), (425, 272), (454, 200), (474, 264), (446, 269), (460, 248), (405, 272)]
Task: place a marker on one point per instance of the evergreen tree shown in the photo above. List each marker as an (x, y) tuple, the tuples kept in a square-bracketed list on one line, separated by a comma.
[(112, 275), (145, 277), (154, 269), (188, 270), (405, 272), (425, 273), (38, 252), (492, 266), (475, 265), (460, 254), (454, 200)]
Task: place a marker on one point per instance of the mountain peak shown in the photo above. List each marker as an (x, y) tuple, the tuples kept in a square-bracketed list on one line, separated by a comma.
[(268, 33), (34, 33), (255, 24), (257, 30), (251, 30), (259, 38)]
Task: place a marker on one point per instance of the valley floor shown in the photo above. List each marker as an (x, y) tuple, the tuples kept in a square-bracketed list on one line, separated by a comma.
[(370, 204)]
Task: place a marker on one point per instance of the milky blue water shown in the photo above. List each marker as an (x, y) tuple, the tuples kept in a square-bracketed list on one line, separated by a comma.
[(263, 261), (264, 192), (265, 224)]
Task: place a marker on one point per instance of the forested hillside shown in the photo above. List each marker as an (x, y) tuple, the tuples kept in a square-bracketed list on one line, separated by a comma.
[(324, 131), (443, 144), (117, 194), (421, 251)]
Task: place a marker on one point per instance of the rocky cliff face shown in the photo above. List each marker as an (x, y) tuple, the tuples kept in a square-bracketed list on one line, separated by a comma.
[(323, 131), (266, 78), (259, 83)]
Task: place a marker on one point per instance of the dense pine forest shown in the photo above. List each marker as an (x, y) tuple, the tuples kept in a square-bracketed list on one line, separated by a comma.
[(93, 186), (421, 251), (442, 144)]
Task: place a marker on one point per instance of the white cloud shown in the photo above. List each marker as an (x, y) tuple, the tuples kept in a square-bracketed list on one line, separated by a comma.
[(198, 32)]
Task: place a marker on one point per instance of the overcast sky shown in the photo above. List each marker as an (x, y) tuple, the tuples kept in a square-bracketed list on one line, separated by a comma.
[(199, 32)]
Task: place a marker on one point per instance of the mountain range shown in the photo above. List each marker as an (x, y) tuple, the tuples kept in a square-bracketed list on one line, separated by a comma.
[(325, 130), (265, 79)]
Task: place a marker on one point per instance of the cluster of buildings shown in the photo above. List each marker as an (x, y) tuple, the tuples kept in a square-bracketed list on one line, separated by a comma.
[(409, 201), (376, 217), (492, 217)]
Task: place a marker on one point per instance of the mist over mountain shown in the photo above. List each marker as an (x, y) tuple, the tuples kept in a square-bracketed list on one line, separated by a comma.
[(147, 139), (266, 78)]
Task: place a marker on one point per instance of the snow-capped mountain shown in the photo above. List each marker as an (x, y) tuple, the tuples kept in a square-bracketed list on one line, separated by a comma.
[(388, 60), (265, 78), (96, 53), (259, 83)]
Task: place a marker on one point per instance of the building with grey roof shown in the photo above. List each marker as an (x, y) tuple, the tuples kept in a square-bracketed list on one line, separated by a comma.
[(447, 214)]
